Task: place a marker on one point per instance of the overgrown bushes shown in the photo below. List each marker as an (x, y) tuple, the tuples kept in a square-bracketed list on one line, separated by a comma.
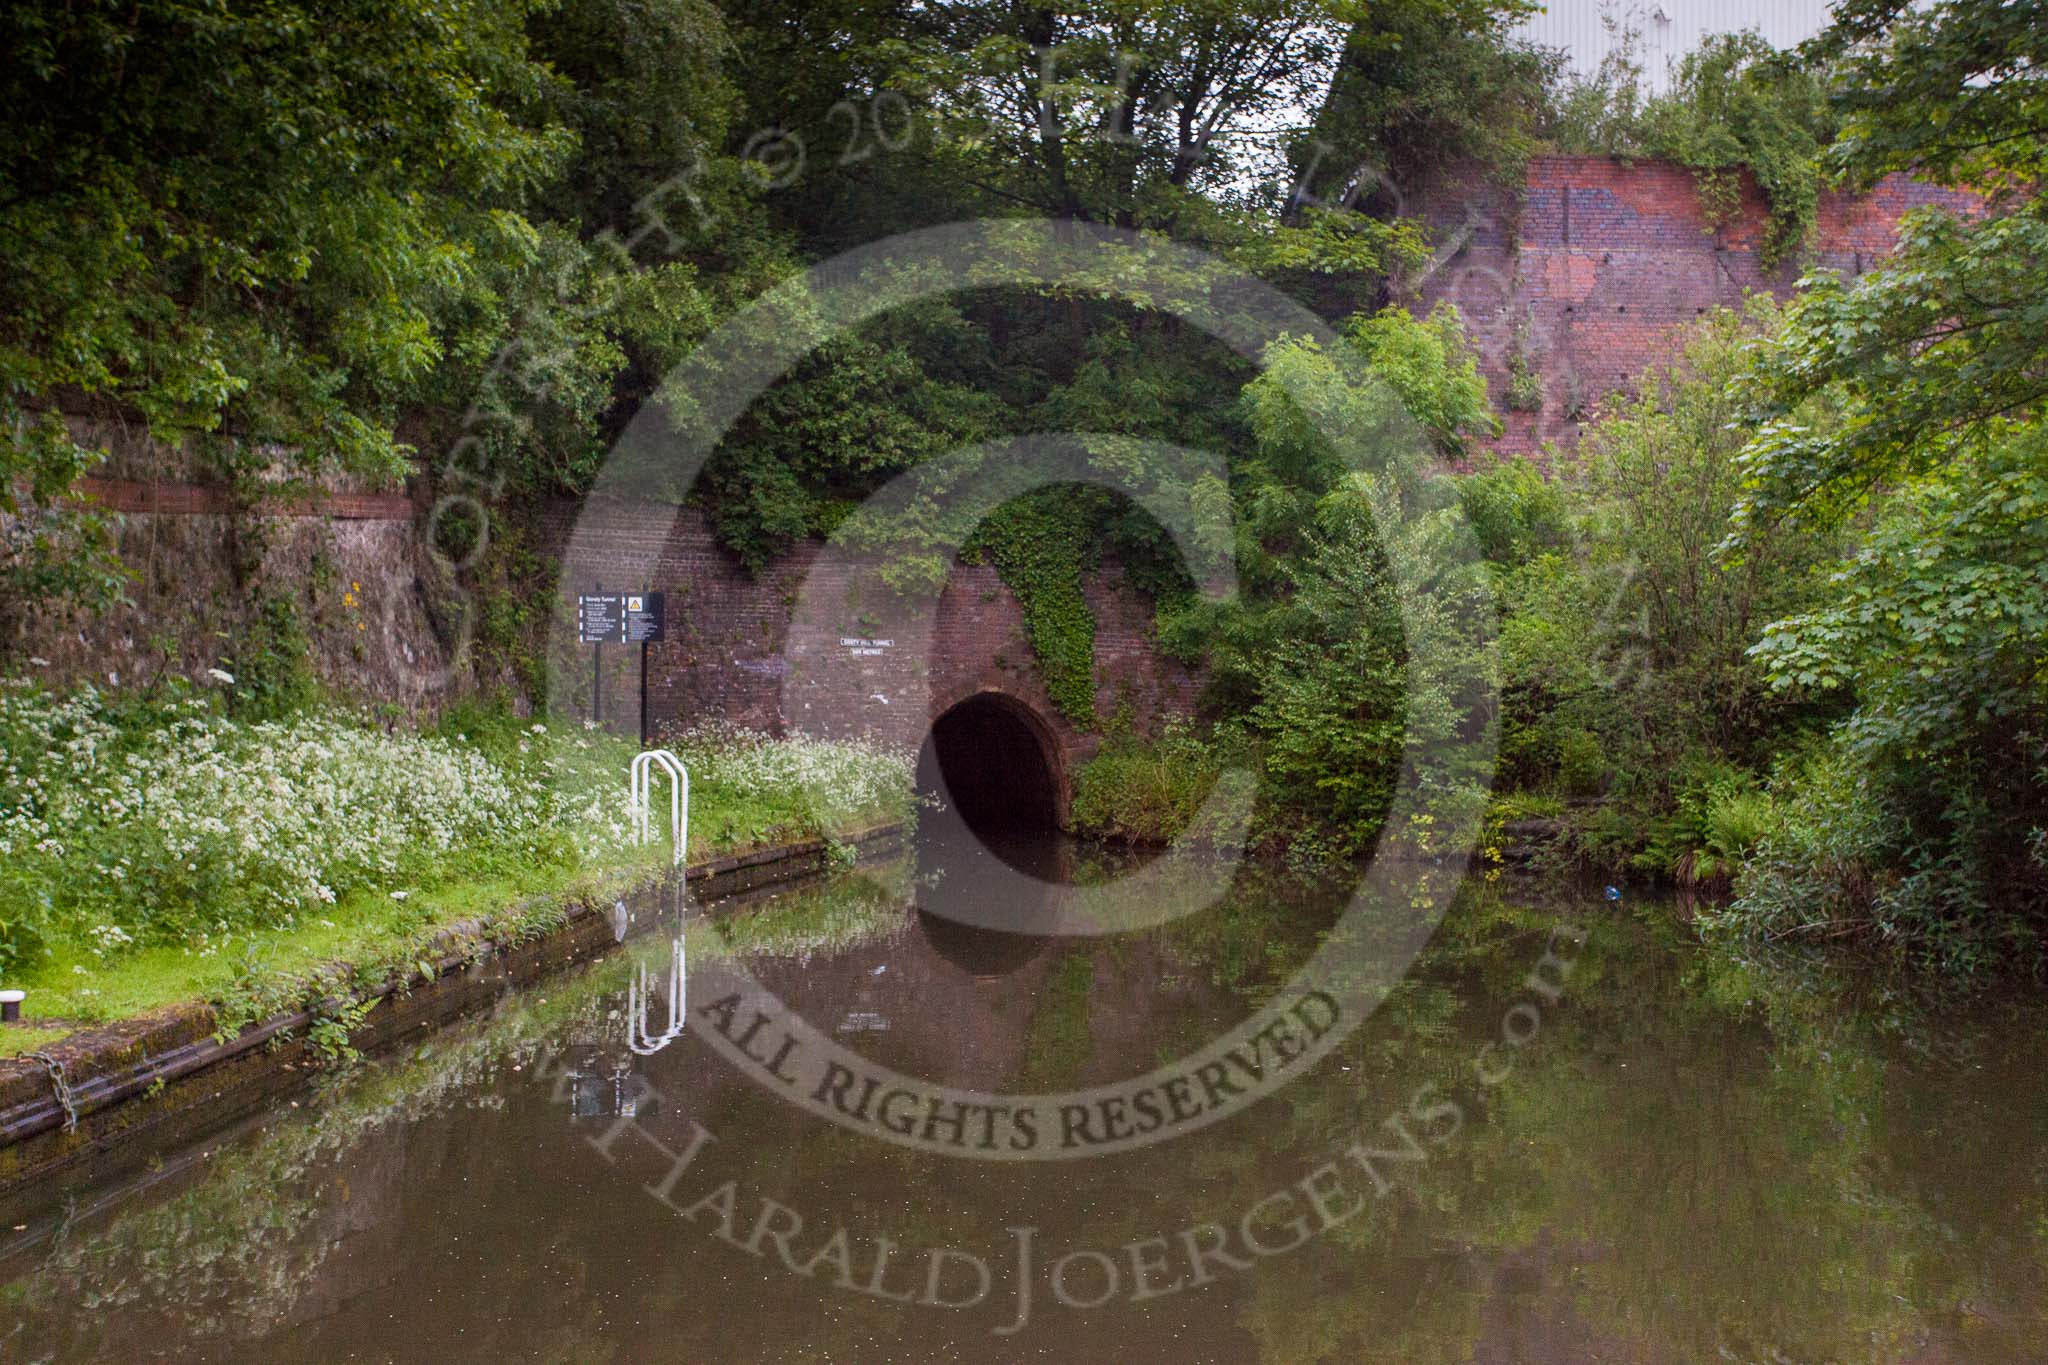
[(1346, 560), (1625, 641), (1907, 855), (1151, 792)]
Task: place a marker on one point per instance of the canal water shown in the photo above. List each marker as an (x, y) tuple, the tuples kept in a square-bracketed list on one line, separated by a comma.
[(1567, 1134)]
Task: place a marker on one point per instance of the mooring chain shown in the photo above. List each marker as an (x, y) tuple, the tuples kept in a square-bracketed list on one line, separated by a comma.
[(61, 1086)]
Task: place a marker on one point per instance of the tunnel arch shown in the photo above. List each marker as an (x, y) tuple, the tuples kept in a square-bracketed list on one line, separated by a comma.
[(997, 763)]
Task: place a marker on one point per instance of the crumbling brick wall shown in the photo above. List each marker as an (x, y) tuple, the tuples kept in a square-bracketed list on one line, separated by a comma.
[(1595, 267)]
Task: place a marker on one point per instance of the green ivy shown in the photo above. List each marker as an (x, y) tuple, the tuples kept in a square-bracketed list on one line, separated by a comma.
[(1041, 544), (272, 663), (514, 589), (1741, 105)]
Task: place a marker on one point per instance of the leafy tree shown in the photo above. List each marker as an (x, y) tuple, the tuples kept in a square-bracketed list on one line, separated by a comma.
[(242, 224), (255, 222), (288, 242), (1951, 91), (1424, 88), (1332, 683), (1315, 656), (1658, 482), (858, 411), (1625, 641), (650, 233), (1121, 113), (645, 90), (849, 151), (280, 234), (1934, 363)]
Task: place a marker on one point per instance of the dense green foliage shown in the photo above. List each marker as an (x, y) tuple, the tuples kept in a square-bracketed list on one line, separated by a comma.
[(1624, 643), (1318, 684), (254, 221), (1923, 819), (1780, 615), (1833, 591), (1422, 89), (283, 233), (1740, 106), (1143, 114)]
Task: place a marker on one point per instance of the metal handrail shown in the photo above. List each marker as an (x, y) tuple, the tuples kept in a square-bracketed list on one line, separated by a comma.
[(640, 1039), (642, 780)]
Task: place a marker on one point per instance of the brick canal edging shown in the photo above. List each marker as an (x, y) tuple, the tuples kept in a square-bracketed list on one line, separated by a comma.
[(153, 1082), (188, 500)]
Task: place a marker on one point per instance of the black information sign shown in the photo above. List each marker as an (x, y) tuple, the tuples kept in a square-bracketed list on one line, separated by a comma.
[(645, 619), (619, 618), (601, 618)]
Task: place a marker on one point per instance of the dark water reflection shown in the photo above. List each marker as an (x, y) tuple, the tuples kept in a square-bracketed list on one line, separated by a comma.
[(1685, 1159)]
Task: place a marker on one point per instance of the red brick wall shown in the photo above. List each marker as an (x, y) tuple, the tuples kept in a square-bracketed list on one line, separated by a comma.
[(770, 652), (1601, 264), (147, 498)]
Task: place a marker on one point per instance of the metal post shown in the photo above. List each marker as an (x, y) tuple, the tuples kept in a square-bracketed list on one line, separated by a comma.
[(597, 673), (643, 694)]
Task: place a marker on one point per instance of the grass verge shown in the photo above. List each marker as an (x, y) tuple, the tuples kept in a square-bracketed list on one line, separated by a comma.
[(136, 887)]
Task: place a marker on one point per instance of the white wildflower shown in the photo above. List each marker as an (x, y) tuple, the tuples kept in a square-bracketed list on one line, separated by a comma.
[(107, 937), (289, 815)]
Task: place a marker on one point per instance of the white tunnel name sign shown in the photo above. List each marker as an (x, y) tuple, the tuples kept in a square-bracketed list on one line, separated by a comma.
[(861, 645)]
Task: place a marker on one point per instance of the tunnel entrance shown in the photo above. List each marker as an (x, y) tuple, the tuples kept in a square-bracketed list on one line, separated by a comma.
[(990, 778), (992, 763)]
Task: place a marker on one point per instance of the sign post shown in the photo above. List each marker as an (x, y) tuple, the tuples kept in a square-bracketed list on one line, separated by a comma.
[(646, 622)]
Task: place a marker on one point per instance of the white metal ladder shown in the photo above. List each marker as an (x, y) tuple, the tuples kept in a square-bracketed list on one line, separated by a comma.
[(640, 994), (642, 778)]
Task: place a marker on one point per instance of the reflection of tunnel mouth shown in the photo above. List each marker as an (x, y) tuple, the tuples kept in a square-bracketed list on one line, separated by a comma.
[(988, 763), (977, 951)]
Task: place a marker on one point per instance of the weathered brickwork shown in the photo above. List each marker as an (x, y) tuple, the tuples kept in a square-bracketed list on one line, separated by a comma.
[(142, 497), (815, 645), (1594, 270), (201, 564)]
